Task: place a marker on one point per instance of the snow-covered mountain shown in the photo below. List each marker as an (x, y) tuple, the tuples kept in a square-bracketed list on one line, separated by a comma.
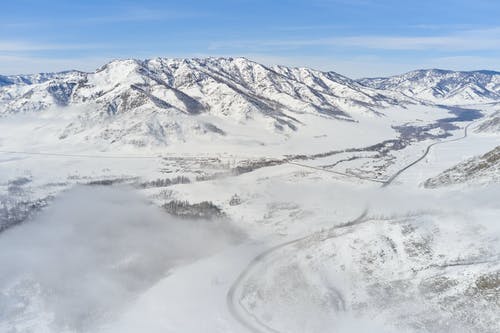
[(442, 86), (234, 87), (163, 100), (224, 86)]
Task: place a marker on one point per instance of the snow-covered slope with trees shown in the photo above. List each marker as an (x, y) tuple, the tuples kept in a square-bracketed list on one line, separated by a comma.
[(479, 169), (490, 124)]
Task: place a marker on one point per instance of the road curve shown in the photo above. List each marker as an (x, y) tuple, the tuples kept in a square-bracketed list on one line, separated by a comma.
[(427, 150), (233, 305), (256, 325)]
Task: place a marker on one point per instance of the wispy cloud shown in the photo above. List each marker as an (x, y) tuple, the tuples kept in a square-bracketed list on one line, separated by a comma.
[(117, 15), (309, 27), (488, 39), (330, 3), (141, 15), (10, 65), (469, 40), (24, 46)]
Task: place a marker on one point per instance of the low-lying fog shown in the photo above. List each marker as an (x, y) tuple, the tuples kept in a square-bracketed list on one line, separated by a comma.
[(80, 262), (90, 253)]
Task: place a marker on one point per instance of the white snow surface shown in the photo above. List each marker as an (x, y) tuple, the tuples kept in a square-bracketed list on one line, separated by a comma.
[(308, 240)]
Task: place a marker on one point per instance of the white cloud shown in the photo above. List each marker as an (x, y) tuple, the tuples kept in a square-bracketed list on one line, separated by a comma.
[(10, 65), (116, 15), (467, 40), (141, 14), (23, 46)]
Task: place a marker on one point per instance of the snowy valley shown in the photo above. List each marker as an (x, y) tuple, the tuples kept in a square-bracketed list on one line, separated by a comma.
[(253, 198)]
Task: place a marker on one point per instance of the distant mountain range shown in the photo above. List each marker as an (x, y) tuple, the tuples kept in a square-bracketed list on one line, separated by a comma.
[(441, 86), (162, 97), (184, 84)]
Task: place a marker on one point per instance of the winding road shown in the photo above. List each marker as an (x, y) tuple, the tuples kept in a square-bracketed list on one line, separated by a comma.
[(426, 152), (252, 322), (258, 326)]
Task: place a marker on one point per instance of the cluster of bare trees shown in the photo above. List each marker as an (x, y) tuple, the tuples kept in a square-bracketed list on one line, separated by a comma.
[(164, 182), (201, 210), (15, 212)]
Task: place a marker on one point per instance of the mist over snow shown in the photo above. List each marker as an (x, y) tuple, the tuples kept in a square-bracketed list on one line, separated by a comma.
[(394, 266), (90, 254)]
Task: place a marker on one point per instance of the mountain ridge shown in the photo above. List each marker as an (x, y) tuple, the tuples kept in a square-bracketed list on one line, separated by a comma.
[(428, 85), (438, 85), (169, 99)]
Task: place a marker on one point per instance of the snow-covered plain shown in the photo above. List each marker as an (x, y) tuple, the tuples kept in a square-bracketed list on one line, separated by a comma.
[(300, 205)]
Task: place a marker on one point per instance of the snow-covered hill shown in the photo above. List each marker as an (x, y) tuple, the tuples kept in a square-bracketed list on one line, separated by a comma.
[(442, 86), (480, 169), (491, 124)]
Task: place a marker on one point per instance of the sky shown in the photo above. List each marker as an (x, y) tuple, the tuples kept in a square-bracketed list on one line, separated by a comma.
[(357, 38)]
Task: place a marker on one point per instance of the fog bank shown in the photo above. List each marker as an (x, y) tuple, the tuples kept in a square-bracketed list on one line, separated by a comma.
[(96, 248)]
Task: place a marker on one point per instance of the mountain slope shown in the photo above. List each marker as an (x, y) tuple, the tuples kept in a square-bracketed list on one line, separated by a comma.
[(491, 124), (479, 169), (442, 86)]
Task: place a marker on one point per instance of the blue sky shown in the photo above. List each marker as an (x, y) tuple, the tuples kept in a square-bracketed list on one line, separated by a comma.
[(353, 37)]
